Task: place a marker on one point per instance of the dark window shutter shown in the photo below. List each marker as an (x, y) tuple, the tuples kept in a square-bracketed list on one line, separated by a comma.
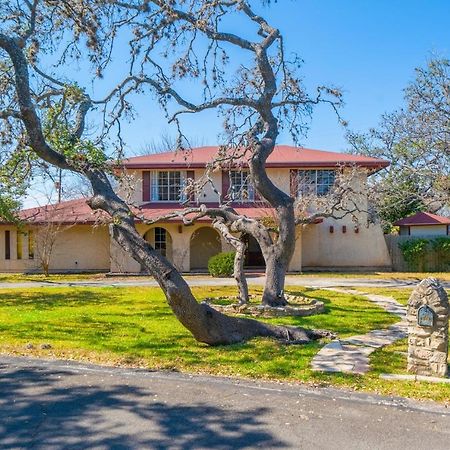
[(146, 186), (7, 244), (293, 182), (191, 174), (225, 185)]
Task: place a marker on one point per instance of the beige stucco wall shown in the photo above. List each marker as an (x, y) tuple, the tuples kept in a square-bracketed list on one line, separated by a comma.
[(131, 188), (80, 248), (181, 248), (429, 230), (322, 249), (297, 258), (121, 262)]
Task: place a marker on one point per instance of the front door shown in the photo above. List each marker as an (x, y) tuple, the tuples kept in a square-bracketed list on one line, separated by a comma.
[(253, 256)]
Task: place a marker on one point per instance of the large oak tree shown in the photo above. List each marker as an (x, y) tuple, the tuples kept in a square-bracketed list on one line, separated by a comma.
[(245, 76)]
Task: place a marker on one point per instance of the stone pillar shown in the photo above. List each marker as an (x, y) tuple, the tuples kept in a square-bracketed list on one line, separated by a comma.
[(427, 315)]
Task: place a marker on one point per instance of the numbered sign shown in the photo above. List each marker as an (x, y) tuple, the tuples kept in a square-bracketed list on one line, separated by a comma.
[(425, 316)]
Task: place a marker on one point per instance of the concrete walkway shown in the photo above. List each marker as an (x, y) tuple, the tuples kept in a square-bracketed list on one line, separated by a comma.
[(49, 405), (205, 280), (351, 355)]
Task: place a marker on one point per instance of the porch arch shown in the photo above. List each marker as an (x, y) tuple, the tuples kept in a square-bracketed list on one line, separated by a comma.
[(205, 242)]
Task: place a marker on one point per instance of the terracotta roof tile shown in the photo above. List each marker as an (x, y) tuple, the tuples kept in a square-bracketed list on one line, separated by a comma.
[(78, 212), (283, 156), (423, 218), (69, 212)]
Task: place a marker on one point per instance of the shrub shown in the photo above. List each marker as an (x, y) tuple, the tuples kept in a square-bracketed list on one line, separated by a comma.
[(221, 265), (441, 245), (414, 251)]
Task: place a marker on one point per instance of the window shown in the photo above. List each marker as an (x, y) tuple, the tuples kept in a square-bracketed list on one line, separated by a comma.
[(7, 244), (241, 188), (159, 238), (167, 186), (314, 182), (19, 244), (30, 245), (161, 241)]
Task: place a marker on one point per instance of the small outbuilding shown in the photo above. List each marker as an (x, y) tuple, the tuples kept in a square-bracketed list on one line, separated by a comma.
[(424, 224)]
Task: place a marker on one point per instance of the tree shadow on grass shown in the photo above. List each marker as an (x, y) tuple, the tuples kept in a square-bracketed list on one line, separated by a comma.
[(43, 299), (43, 408)]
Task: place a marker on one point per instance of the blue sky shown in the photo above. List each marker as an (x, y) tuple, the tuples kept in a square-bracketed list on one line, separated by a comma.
[(367, 48)]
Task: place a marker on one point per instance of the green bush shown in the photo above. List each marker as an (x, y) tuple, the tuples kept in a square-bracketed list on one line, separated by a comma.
[(441, 245), (414, 252), (221, 265)]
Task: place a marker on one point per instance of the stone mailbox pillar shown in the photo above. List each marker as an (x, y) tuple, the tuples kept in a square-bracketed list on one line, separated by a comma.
[(427, 317)]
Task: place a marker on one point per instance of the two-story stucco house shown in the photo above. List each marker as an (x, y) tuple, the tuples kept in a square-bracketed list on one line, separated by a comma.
[(83, 243)]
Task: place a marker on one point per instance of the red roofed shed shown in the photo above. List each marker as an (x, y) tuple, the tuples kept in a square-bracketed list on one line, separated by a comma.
[(424, 224)]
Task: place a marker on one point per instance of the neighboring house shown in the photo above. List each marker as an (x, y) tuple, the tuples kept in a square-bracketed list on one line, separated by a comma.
[(424, 224), (157, 186)]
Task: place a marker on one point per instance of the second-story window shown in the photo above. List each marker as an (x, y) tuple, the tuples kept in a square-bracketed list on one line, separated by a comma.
[(167, 186), (241, 187), (315, 182)]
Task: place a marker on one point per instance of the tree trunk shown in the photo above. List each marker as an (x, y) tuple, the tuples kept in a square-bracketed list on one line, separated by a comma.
[(239, 274), (273, 294), (205, 323), (278, 257), (238, 269), (277, 254), (45, 268)]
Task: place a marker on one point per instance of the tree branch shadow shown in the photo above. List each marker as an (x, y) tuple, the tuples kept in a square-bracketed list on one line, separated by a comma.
[(42, 408)]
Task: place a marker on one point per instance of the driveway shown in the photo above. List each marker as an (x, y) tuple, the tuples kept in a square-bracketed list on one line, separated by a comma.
[(204, 280), (57, 404)]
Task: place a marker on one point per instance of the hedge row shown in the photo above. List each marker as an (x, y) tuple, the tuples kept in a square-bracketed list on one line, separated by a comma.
[(416, 253)]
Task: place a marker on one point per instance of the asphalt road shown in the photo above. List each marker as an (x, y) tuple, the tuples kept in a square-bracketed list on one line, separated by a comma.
[(57, 404)]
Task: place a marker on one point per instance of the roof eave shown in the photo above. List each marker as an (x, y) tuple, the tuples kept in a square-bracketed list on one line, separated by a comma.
[(376, 165)]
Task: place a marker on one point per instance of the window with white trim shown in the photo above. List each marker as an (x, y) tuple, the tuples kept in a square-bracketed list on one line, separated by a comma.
[(167, 186), (161, 241), (159, 238), (241, 187), (314, 182)]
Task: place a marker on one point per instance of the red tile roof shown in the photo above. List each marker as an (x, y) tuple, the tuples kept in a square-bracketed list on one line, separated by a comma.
[(282, 156), (77, 211), (423, 218), (154, 210), (68, 213)]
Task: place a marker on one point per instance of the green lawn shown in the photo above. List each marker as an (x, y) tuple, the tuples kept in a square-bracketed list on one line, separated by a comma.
[(413, 276), (134, 326), (401, 294), (54, 277)]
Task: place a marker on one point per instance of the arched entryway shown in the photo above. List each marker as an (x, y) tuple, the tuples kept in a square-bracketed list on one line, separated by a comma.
[(205, 242), (159, 238), (253, 256)]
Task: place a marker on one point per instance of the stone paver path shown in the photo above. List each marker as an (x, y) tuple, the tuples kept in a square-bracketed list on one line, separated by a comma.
[(352, 354)]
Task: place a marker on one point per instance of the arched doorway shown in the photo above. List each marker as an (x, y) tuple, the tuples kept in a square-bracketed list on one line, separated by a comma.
[(205, 242), (253, 256), (159, 238)]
